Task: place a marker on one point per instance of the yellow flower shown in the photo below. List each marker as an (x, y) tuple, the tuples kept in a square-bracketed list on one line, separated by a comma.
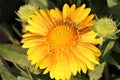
[(62, 42)]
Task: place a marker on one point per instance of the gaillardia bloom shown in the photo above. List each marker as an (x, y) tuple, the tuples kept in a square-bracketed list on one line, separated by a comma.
[(61, 42)]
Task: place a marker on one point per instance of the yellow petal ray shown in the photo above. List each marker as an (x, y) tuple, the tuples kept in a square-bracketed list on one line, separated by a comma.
[(32, 43), (71, 12), (38, 54), (52, 72), (33, 38), (67, 68), (83, 66), (40, 21), (44, 62), (89, 37), (51, 63), (45, 14), (28, 34), (86, 22), (81, 16), (74, 63), (37, 65), (41, 18), (31, 53), (37, 13), (72, 9), (88, 63), (40, 14), (38, 26), (60, 68), (87, 53), (32, 49), (78, 11), (65, 11), (56, 14), (36, 30), (93, 48), (27, 45)]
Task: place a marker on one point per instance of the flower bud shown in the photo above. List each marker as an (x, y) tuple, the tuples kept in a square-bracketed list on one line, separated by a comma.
[(106, 28), (25, 12)]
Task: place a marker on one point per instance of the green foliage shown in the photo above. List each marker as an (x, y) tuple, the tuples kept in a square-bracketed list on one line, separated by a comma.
[(97, 72), (113, 61), (43, 4), (15, 54), (116, 47), (106, 49), (114, 7), (4, 71), (22, 78)]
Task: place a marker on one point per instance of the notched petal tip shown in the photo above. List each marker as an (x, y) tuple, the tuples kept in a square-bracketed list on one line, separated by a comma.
[(87, 10), (92, 16), (66, 5), (73, 6), (83, 6)]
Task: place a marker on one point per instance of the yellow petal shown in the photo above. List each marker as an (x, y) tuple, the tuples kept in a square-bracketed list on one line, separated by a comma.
[(78, 11), (71, 12), (51, 63), (81, 16), (31, 42), (89, 54), (65, 11), (56, 13), (87, 22), (36, 30), (45, 14), (83, 67), (93, 48), (30, 34), (88, 63), (39, 54), (89, 37)]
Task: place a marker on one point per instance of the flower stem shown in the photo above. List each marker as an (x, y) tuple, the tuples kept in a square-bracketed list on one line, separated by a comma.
[(106, 72)]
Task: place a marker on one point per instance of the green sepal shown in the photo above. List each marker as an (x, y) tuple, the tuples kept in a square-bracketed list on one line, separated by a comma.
[(106, 48)]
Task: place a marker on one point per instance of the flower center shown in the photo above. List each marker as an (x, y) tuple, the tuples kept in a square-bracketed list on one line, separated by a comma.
[(62, 36)]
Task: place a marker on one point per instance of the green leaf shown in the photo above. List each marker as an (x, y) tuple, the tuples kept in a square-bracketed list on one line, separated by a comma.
[(43, 4), (15, 54), (106, 49), (111, 60), (22, 78), (116, 47), (97, 72), (8, 32), (114, 7), (5, 72)]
